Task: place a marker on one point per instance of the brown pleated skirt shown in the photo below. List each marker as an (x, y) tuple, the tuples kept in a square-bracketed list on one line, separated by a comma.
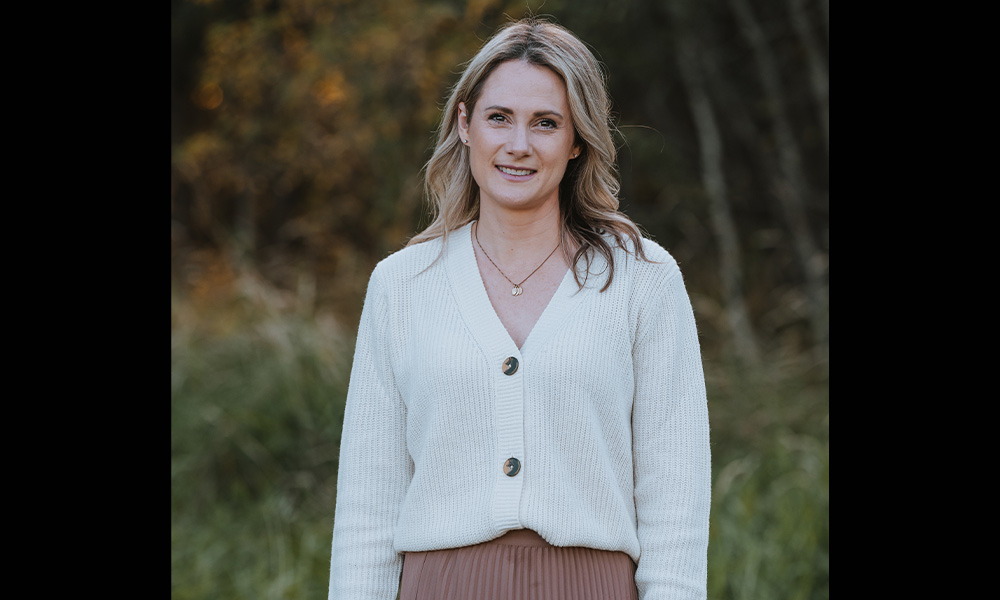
[(519, 565)]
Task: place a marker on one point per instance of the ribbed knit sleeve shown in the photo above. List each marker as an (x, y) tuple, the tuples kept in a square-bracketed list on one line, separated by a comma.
[(374, 469), (671, 455)]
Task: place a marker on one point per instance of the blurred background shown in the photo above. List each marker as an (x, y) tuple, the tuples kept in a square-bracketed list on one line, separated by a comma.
[(298, 131)]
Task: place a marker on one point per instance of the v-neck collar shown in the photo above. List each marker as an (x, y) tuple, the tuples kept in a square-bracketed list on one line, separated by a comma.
[(479, 314)]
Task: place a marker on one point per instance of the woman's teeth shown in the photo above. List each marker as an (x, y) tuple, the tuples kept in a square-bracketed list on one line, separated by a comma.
[(516, 171)]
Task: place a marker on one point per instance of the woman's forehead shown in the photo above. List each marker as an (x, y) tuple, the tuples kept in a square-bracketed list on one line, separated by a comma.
[(520, 86)]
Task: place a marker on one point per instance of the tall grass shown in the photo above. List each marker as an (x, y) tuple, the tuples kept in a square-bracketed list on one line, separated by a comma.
[(769, 531), (257, 397)]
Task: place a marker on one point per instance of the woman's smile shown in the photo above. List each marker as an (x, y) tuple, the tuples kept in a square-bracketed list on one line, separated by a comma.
[(515, 174)]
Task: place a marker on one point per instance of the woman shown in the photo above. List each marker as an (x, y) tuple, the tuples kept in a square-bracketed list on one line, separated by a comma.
[(526, 416)]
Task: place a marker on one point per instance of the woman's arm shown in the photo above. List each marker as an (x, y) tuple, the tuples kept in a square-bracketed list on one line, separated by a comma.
[(671, 454), (374, 468)]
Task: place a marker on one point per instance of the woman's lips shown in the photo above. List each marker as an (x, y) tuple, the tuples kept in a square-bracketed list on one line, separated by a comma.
[(515, 173)]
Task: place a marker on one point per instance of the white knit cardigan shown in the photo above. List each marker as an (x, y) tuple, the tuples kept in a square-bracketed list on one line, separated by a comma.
[(606, 413)]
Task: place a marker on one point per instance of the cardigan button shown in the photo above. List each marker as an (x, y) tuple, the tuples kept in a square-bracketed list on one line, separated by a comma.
[(511, 467), (509, 365)]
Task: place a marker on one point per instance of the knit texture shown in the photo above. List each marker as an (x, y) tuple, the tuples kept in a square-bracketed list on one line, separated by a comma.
[(606, 412)]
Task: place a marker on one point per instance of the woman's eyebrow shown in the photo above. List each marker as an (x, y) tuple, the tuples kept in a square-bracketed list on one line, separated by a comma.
[(540, 113)]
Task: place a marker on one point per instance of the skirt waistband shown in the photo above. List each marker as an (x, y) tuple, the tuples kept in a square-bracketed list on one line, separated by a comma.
[(520, 537)]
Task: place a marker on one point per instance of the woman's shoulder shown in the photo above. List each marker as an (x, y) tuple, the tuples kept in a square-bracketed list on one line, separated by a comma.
[(408, 261), (649, 282), (655, 264)]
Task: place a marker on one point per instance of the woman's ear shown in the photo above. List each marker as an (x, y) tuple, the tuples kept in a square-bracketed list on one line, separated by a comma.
[(463, 123)]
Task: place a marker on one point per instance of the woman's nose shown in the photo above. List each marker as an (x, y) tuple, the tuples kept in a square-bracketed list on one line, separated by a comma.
[(518, 143)]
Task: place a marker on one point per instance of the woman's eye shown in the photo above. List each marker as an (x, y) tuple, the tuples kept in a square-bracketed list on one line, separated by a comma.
[(497, 117), (547, 124)]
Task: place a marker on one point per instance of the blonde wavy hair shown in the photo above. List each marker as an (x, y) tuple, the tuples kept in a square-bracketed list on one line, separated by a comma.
[(588, 193)]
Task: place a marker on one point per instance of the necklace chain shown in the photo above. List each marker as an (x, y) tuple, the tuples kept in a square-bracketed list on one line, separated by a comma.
[(517, 291)]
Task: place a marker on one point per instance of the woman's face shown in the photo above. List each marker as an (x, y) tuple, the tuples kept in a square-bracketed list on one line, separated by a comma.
[(520, 137)]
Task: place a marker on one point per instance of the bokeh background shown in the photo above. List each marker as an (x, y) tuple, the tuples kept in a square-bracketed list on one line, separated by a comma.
[(298, 132)]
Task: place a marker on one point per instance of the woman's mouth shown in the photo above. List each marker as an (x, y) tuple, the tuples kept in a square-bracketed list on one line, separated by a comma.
[(517, 173)]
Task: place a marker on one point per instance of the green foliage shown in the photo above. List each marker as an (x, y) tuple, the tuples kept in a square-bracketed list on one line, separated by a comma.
[(770, 523), (257, 400)]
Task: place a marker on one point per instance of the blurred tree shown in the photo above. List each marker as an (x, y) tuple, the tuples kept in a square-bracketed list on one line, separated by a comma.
[(791, 187), (689, 56), (321, 118)]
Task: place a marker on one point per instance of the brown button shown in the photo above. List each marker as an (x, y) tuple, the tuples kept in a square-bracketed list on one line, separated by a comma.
[(509, 365), (511, 467)]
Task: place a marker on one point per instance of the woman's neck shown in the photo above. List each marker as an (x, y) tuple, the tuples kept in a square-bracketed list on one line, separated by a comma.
[(512, 238)]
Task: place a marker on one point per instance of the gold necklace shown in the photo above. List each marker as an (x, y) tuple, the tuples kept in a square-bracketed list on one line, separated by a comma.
[(517, 291)]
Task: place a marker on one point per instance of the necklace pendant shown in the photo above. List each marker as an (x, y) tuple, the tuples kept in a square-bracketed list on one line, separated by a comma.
[(517, 291)]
